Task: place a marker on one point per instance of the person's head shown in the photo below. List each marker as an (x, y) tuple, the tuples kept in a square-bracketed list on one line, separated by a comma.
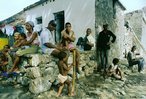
[(115, 61), (133, 48), (68, 27), (29, 25), (2, 24), (52, 25), (22, 36), (62, 56), (16, 35), (6, 48), (88, 31), (105, 26)]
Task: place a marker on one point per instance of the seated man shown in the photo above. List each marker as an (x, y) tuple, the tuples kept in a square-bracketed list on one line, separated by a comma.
[(48, 40), (89, 41), (133, 60)]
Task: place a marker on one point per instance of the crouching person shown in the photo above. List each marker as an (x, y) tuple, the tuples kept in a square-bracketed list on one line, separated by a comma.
[(63, 70), (114, 70)]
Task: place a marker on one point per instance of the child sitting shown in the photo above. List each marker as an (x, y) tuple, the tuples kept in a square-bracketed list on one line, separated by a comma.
[(63, 70), (114, 70), (3, 62)]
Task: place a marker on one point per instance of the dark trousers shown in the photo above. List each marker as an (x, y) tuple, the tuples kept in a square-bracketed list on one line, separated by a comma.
[(103, 58), (139, 62)]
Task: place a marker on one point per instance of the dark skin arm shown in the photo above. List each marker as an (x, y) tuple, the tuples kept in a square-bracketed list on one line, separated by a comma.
[(71, 38), (3, 63), (66, 67), (22, 42), (50, 45), (31, 40)]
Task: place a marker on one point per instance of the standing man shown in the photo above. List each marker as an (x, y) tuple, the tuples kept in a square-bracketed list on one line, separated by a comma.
[(48, 40), (105, 38)]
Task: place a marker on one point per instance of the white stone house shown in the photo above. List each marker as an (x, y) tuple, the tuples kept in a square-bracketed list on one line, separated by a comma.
[(82, 14)]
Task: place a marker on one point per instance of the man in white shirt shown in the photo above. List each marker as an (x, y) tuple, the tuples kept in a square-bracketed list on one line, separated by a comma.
[(89, 40), (48, 40)]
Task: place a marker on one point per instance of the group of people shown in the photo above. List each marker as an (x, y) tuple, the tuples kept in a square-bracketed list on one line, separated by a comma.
[(104, 41), (31, 42)]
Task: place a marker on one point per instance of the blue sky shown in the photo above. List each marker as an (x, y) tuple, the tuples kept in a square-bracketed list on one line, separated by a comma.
[(133, 4), (11, 7)]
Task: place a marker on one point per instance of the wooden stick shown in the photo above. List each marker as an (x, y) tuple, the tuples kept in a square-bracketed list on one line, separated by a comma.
[(74, 71)]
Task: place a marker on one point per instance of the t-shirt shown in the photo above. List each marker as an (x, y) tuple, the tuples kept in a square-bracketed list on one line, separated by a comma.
[(91, 39), (47, 37)]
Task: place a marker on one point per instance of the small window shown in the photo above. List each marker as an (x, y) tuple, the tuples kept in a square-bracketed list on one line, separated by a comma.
[(39, 20)]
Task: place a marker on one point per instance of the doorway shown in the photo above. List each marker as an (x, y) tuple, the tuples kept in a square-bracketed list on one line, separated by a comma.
[(59, 18)]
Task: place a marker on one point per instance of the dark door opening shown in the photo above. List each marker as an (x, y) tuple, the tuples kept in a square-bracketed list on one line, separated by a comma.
[(59, 18)]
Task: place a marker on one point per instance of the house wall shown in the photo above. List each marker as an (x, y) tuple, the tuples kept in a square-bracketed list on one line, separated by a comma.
[(135, 19), (110, 12), (81, 14), (137, 23), (143, 39)]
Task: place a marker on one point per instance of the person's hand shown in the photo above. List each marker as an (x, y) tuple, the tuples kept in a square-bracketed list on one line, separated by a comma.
[(109, 43)]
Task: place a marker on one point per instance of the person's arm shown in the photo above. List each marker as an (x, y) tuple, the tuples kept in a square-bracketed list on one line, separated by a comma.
[(120, 73), (50, 45), (72, 38), (91, 44), (66, 36), (66, 67), (129, 57), (19, 44), (113, 37), (34, 36)]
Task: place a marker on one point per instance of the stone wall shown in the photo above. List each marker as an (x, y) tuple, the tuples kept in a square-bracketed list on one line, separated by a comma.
[(135, 19), (39, 72)]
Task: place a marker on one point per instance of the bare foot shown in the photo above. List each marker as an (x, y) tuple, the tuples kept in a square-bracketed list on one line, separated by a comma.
[(57, 95), (72, 94)]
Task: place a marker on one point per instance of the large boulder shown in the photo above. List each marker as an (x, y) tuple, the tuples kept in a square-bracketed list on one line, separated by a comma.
[(39, 85)]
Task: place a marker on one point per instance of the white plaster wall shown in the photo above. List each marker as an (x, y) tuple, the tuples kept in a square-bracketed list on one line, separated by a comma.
[(80, 13), (143, 38)]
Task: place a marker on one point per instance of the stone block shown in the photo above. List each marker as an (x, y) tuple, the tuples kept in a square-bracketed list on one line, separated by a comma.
[(39, 85), (33, 72)]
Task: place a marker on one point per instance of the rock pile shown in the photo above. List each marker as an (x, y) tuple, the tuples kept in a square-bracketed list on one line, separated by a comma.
[(42, 70)]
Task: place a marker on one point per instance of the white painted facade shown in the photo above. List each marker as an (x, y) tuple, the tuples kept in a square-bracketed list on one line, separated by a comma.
[(143, 39), (80, 13)]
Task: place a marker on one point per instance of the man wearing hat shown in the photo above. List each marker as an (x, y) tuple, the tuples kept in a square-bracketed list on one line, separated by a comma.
[(48, 39), (103, 45)]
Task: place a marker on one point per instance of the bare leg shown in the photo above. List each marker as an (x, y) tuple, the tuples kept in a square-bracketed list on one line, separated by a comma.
[(69, 87), (60, 89), (77, 60), (16, 61)]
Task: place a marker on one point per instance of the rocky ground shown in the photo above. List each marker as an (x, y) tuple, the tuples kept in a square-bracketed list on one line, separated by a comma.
[(93, 86)]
